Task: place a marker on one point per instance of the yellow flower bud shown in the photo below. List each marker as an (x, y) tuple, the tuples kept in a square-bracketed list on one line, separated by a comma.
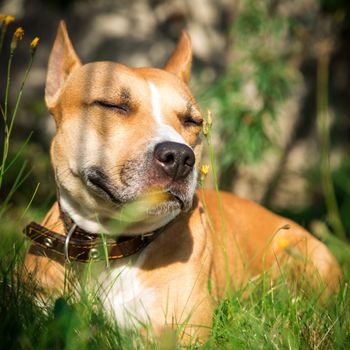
[(34, 43), (7, 20), (205, 129), (204, 172), (18, 35), (205, 169), (282, 243), (209, 118)]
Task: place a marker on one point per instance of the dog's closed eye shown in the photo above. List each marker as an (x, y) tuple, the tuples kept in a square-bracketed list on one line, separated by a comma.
[(189, 121), (121, 108)]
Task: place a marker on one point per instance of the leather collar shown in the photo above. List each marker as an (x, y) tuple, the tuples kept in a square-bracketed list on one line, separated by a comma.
[(82, 246)]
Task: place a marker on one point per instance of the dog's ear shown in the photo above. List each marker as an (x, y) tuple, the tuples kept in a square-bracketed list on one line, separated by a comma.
[(63, 60), (180, 61)]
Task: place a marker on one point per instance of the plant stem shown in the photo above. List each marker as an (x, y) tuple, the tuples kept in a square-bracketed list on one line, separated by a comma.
[(9, 64), (4, 114), (215, 180), (324, 137), (3, 32), (8, 129), (228, 288), (19, 97)]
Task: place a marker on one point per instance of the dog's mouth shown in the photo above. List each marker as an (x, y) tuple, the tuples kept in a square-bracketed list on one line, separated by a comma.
[(99, 183), (176, 198)]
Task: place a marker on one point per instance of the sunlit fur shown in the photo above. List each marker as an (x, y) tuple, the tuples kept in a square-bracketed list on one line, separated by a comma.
[(90, 136)]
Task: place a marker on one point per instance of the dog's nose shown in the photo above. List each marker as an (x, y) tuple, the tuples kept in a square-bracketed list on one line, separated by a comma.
[(176, 159)]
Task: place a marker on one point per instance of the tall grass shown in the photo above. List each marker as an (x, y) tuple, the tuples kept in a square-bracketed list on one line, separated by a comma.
[(323, 121), (259, 316), (8, 117)]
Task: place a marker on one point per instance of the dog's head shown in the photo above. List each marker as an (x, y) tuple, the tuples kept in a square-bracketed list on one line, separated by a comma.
[(124, 136)]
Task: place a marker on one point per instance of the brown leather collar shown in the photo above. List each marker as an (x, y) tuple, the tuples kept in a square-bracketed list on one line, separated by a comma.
[(83, 246)]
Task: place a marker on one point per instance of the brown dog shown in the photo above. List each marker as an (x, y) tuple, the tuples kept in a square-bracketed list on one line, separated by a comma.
[(125, 155)]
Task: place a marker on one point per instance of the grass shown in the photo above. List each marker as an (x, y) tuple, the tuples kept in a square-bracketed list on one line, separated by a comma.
[(258, 316), (267, 317)]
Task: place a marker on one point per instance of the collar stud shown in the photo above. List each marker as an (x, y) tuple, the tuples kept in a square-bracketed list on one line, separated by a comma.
[(94, 254), (48, 242)]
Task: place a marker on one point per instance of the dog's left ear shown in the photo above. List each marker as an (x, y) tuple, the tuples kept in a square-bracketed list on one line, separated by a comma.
[(63, 60), (180, 61)]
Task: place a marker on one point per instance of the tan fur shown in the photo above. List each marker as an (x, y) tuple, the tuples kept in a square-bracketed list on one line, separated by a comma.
[(179, 263)]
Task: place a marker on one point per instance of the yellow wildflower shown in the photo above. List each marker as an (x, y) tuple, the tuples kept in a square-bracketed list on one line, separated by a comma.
[(34, 43), (7, 20), (18, 35), (205, 169), (204, 172), (282, 243)]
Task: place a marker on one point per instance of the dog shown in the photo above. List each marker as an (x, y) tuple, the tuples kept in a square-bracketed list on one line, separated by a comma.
[(126, 155)]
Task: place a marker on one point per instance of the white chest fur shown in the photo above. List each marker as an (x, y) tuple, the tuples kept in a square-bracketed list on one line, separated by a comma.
[(123, 293)]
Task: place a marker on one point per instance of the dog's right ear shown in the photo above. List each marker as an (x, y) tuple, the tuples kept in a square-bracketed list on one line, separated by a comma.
[(63, 60), (180, 61)]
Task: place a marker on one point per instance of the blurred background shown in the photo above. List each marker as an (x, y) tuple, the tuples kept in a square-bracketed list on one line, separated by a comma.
[(274, 73)]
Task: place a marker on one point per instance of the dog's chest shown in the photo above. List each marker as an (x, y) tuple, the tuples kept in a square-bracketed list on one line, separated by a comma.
[(124, 294)]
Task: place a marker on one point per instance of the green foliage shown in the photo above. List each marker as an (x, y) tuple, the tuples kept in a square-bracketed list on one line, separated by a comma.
[(274, 318), (258, 80)]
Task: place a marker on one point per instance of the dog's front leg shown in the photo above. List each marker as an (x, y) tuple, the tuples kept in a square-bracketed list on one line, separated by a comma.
[(48, 275)]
